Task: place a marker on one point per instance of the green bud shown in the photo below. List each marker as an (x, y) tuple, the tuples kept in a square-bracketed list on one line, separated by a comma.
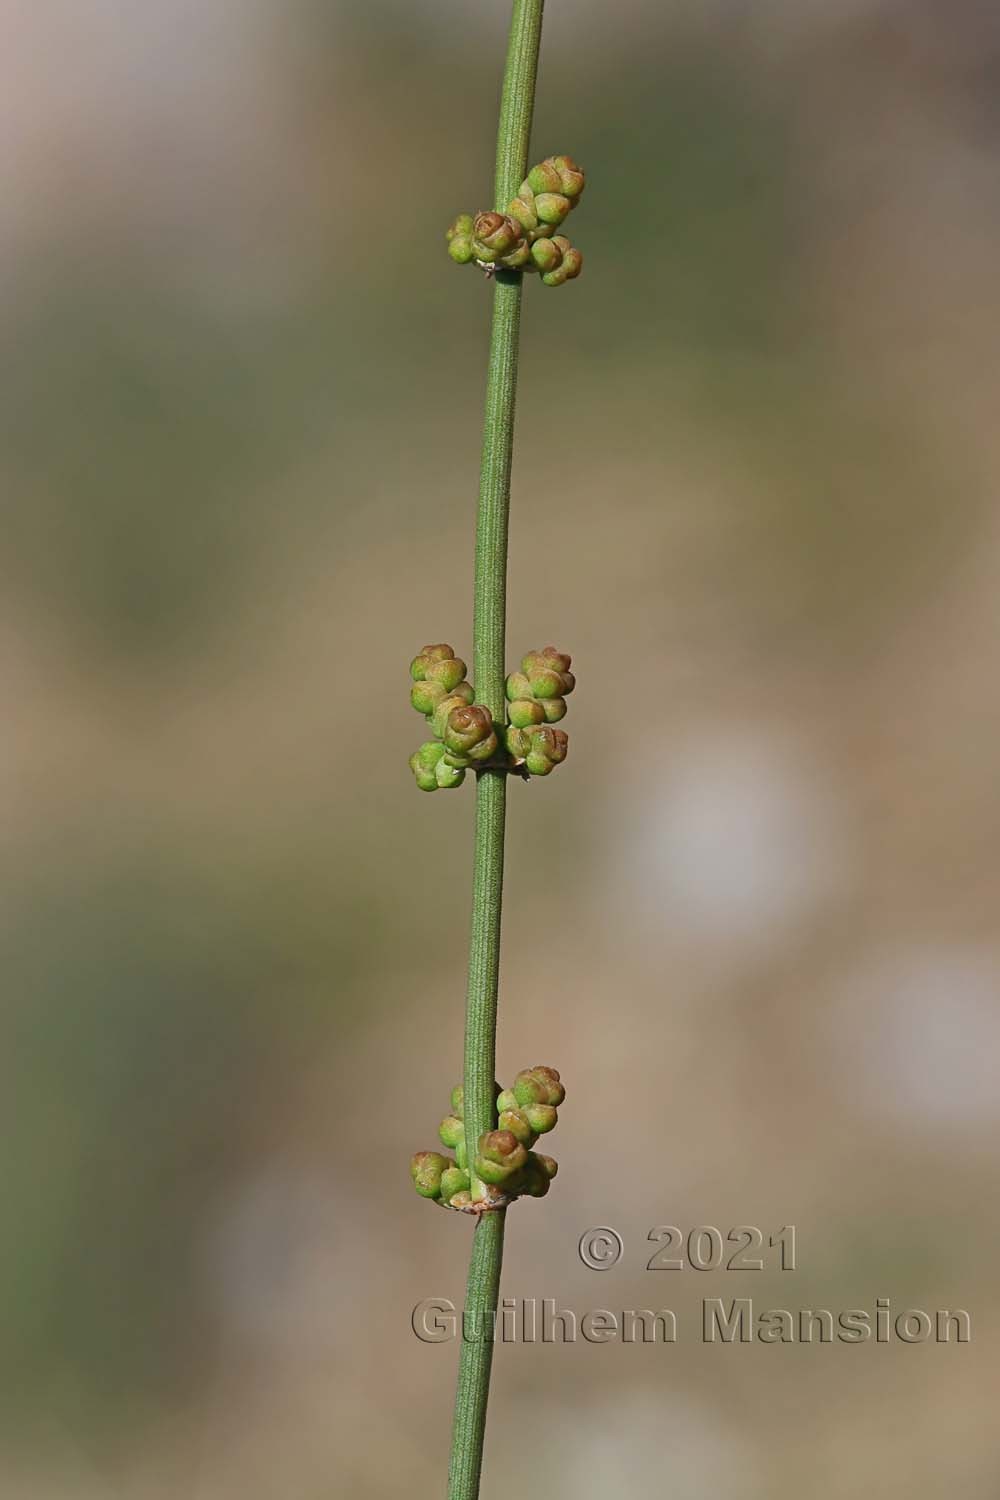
[(506, 1100), (553, 709), (541, 1117), (552, 208), (548, 749), (546, 255), (518, 742), (522, 210), (426, 1168), (448, 673), (424, 764), (425, 696), (458, 1101), (459, 236), (461, 1199), (545, 178), (486, 750), (494, 235), (540, 1084), (451, 1131), (524, 712), (569, 267), (517, 687), (468, 727), (447, 776), (462, 1154), (461, 250), (427, 657), (545, 684), (571, 177), (514, 1121), (538, 765), (453, 1180), (500, 1156)]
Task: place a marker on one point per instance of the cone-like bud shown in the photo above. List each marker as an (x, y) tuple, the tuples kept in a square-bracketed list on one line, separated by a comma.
[(425, 696), (547, 749), (426, 1168), (552, 208), (518, 742), (439, 718), (428, 657), (459, 238), (451, 1131), (500, 1156), (568, 268), (539, 1085), (546, 255), (453, 1180), (494, 236), (466, 727), (557, 174)]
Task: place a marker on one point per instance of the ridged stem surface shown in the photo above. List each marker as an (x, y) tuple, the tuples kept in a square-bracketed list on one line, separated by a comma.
[(489, 650)]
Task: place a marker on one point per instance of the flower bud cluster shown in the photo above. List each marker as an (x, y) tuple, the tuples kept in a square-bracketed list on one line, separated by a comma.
[(536, 697), (524, 236), (464, 734), (505, 1163)]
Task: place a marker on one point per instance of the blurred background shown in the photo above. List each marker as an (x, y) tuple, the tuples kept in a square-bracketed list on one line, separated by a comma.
[(757, 455)]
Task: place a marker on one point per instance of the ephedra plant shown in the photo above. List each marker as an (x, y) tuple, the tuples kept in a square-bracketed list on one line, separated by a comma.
[(500, 728)]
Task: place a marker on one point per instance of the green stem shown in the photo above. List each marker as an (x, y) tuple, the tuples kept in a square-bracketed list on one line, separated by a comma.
[(489, 649)]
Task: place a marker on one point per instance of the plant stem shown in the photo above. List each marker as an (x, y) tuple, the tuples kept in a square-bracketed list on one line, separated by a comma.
[(489, 646)]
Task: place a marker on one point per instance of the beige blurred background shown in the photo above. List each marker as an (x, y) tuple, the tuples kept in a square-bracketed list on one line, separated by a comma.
[(756, 465)]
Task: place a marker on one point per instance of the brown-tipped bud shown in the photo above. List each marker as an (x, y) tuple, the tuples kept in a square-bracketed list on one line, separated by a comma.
[(553, 710), (556, 661), (540, 1084), (568, 268), (463, 694), (467, 728), (572, 178), (545, 178), (426, 1168), (426, 657), (522, 210), (449, 672), (500, 1156), (494, 235)]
